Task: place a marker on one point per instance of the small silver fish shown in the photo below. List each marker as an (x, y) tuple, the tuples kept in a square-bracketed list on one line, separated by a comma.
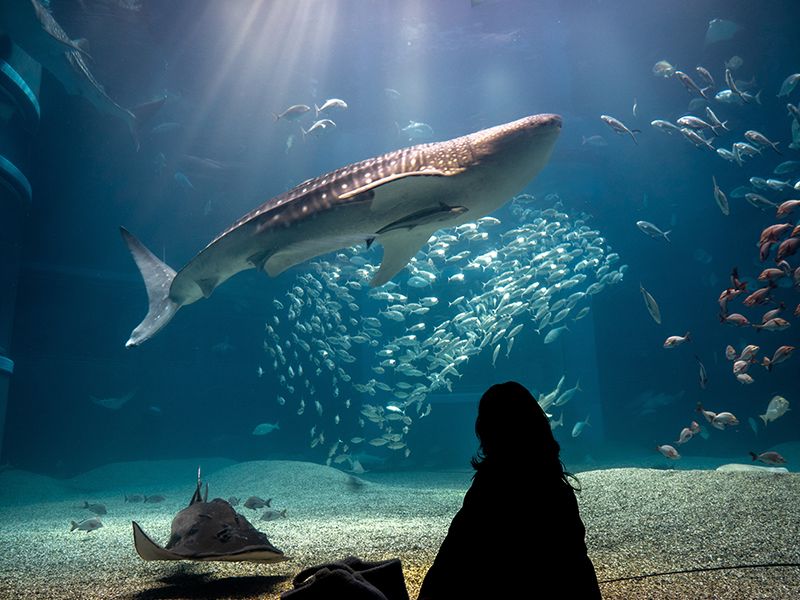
[(330, 103), (703, 374), (579, 427), (651, 304), (653, 231), (87, 525), (760, 139), (619, 127), (293, 113), (719, 197)]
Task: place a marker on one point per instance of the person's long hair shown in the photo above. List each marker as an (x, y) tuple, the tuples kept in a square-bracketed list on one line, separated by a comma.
[(514, 432)]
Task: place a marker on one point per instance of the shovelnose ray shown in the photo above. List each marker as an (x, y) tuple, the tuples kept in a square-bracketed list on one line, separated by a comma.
[(398, 199), (209, 531)]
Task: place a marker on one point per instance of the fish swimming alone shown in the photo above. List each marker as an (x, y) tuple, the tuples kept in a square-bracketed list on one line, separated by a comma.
[(398, 199)]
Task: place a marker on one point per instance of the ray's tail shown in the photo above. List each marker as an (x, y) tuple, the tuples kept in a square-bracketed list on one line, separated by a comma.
[(158, 280)]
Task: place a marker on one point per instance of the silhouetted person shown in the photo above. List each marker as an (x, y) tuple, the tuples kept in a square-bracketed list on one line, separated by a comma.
[(519, 533)]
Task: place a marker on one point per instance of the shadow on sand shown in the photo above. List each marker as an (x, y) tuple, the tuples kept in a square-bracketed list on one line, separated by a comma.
[(202, 585)]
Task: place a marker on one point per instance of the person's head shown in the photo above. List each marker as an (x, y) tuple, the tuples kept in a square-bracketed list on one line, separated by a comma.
[(512, 429)]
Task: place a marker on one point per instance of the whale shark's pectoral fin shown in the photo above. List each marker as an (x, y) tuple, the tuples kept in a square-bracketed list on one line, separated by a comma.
[(394, 188), (399, 246)]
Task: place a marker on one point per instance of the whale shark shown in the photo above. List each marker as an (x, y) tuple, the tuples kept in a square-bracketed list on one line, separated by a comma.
[(398, 199)]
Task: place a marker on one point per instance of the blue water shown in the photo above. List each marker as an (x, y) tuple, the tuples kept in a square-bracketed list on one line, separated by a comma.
[(226, 67)]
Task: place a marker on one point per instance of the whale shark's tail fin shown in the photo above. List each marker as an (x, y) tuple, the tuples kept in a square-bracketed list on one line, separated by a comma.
[(158, 280)]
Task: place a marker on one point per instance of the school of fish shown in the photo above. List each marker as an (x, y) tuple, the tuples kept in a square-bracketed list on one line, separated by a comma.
[(528, 276)]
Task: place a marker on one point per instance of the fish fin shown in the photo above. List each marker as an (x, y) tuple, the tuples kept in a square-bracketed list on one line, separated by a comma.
[(73, 525), (754, 455), (147, 548), (145, 111), (763, 418), (83, 46), (68, 45), (158, 279), (140, 115), (398, 248), (316, 110), (385, 201), (666, 235)]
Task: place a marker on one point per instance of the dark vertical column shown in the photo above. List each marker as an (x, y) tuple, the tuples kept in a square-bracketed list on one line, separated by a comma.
[(19, 118)]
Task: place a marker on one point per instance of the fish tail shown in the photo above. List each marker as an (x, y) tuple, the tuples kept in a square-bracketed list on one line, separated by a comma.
[(666, 235), (758, 96), (158, 279), (775, 147), (754, 455), (763, 418), (142, 114), (688, 336), (73, 525), (269, 502), (316, 110)]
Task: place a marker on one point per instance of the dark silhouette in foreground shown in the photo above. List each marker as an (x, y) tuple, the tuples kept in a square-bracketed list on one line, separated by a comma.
[(519, 533)]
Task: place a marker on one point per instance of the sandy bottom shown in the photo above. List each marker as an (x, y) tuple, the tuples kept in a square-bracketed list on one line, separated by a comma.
[(639, 521)]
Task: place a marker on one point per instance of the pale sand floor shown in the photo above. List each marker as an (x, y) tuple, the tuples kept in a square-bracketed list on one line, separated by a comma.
[(639, 521)]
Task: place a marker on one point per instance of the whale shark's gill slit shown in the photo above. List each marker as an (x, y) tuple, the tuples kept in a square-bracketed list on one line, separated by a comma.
[(258, 259), (207, 285)]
